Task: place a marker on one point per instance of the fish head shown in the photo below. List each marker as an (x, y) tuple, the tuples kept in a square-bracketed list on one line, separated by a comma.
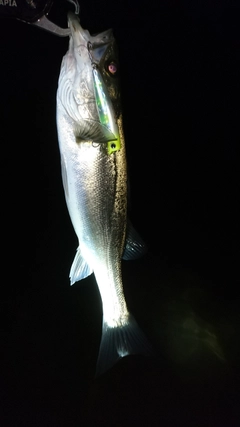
[(85, 49), (99, 50), (89, 82)]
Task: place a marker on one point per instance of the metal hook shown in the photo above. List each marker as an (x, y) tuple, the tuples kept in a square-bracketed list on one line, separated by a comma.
[(76, 4)]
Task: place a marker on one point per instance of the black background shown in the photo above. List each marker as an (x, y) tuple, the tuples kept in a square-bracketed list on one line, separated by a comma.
[(180, 68)]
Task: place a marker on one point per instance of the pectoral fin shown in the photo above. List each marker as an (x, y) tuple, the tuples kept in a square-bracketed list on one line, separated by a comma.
[(134, 245), (80, 269), (92, 130)]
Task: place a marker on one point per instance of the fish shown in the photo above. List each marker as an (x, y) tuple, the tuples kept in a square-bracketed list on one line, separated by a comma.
[(94, 175)]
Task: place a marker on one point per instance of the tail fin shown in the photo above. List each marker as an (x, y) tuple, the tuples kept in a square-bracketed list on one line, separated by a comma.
[(121, 341)]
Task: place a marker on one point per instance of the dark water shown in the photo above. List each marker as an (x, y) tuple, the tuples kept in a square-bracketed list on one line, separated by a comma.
[(52, 342), (180, 84)]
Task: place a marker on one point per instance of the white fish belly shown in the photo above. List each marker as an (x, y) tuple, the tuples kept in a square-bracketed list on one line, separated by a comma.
[(96, 190)]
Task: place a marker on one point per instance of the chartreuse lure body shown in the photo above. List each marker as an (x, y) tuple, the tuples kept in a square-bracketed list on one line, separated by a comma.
[(105, 111)]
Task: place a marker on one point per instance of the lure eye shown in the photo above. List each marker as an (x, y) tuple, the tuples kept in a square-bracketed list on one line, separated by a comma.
[(112, 68)]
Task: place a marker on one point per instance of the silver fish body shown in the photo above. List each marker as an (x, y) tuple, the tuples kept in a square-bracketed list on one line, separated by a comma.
[(94, 174)]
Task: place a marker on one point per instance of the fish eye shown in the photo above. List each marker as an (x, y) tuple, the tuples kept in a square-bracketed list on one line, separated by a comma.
[(111, 68)]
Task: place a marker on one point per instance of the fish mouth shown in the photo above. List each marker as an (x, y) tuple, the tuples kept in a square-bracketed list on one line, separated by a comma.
[(77, 33), (76, 29)]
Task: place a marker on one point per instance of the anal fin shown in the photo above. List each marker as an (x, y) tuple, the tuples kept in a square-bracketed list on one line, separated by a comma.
[(80, 269)]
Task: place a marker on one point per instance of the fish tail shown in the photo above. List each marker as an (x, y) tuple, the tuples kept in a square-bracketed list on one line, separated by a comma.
[(121, 341)]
